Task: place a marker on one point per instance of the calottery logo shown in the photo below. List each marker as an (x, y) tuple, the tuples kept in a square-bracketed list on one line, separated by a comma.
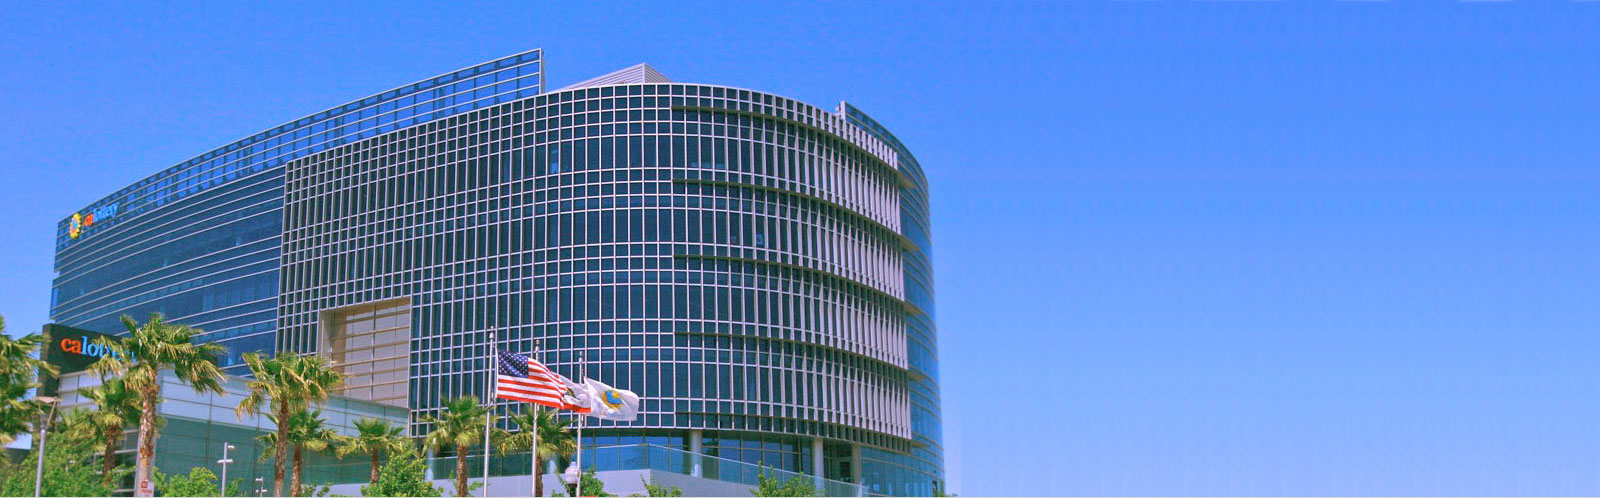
[(82, 346), (81, 221)]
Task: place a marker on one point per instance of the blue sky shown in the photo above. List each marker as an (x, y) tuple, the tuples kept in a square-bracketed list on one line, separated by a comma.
[(1182, 248)]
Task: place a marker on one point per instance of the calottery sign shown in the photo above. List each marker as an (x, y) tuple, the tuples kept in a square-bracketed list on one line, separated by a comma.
[(70, 350), (81, 221), (84, 346)]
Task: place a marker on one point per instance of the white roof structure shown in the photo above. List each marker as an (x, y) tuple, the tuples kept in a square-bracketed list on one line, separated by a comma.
[(640, 73)]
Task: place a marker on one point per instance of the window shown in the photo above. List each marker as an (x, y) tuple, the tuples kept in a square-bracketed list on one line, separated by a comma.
[(371, 346)]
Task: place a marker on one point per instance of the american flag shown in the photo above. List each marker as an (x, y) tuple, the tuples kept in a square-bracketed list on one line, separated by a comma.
[(521, 378)]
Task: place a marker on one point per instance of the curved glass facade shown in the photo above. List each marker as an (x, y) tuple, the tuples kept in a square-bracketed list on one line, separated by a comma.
[(756, 268), (915, 472), (199, 242)]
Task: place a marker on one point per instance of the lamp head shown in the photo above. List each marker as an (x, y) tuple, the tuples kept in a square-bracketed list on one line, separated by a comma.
[(571, 475)]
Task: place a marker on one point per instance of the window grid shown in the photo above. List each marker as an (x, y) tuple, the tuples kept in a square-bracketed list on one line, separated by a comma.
[(770, 300)]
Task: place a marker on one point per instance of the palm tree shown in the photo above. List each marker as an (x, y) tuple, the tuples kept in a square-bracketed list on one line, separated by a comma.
[(288, 383), (16, 414), (374, 437), (554, 441), (140, 357), (312, 433), (76, 425), (19, 370), (115, 408), (460, 426), (269, 443), (307, 429), (16, 355)]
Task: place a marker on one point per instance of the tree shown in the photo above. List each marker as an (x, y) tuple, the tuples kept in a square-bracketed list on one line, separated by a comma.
[(404, 475), (554, 441), (315, 435), (63, 474), (312, 490), (305, 430), (768, 485), (75, 425), (285, 384), (270, 447), (77, 428), (459, 426), (140, 357), (374, 437), (19, 372), (589, 485), (652, 489), (115, 408), (199, 482)]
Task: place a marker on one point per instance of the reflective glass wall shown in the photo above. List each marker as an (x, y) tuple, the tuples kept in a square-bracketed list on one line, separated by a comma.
[(200, 241), (723, 251), (735, 257), (914, 474)]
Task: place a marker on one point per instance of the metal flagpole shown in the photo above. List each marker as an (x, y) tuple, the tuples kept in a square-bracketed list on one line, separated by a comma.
[(488, 416), (533, 456), (583, 373)]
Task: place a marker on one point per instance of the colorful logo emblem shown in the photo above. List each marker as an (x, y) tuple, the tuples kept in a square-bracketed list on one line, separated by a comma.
[(611, 399), (76, 228), (81, 221)]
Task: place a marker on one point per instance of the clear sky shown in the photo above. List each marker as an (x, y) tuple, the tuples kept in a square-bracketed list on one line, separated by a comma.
[(1182, 248)]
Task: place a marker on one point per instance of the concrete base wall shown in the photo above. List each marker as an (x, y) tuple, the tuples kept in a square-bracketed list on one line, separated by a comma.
[(618, 482), (694, 486)]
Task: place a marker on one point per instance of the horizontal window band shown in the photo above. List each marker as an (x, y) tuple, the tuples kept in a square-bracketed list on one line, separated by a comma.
[(916, 374), (903, 180), (905, 243), (846, 352), (910, 309), (909, 443)]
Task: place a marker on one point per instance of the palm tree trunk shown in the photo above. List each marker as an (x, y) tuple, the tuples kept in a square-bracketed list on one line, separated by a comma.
[(461, 471), (294, 479), (282, 450), (538, 474), (109, 463), (374, 467), (147, 439)]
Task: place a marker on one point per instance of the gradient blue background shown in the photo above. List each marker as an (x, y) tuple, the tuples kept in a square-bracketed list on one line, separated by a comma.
[(1183, 248)]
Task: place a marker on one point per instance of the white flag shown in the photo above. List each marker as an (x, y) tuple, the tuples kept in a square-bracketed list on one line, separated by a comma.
[(609, 403), (578, 397)]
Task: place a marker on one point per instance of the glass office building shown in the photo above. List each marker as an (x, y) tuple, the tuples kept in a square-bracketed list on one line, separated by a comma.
[(756, 268)]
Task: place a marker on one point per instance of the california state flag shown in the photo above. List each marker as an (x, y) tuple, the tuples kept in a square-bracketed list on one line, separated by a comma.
[(606, 402)]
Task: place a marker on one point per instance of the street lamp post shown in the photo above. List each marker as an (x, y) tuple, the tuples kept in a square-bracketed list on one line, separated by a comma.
[(261, 487), (44, 430), (574, 478), (224, 463)]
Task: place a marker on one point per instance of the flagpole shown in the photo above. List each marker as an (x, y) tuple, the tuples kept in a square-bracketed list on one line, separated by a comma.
[(533, 456), (583, 373), (488, 416)]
